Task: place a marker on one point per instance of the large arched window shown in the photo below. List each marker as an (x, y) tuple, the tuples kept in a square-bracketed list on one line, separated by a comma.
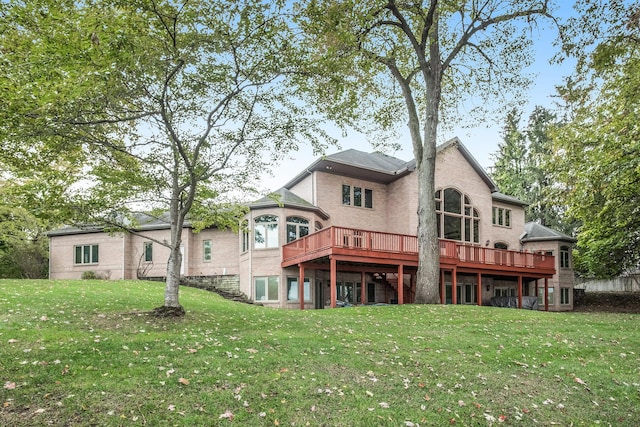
[(265, 232), (297, 227), (457, 218)]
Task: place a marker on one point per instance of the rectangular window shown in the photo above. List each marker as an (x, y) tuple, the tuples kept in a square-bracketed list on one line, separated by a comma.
[(467, 229), (504, 292), (346, 194), (266, 235), (501, 216), (357, 196), (245, 240), (541, 296), (86, 254), (293, 292), (266, 288), (368, 199), (206, 250), (148, 251), (564, 296), (564, 257), (452, 227)]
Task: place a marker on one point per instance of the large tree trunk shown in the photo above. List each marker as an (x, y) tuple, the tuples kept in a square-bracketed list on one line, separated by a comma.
[(172, 305), (428, 277), (171, 289), (427, 289)]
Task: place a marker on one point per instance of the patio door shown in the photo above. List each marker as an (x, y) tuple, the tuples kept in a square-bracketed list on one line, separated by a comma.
[(467, 293)]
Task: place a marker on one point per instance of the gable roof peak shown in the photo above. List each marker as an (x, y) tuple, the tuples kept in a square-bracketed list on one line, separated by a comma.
[(535, 232)]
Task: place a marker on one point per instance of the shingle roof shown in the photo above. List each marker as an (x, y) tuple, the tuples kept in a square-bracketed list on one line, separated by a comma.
[(142, 221), (535, 232), (497, 196), (373, 161), (284, 197)]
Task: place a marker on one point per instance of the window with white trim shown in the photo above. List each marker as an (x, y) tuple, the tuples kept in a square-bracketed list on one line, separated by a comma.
[(148, 251), (265, 232), (297, 227), (244, 227), (86, 254), (565, 296), (564, 257), (501, 217), (357, 196), (457, 218), (293, 292), (266, 288), (501, 291), (206, 250), (541, 296)]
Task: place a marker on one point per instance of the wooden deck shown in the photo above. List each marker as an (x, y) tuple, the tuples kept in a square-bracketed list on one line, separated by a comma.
[(365, 246)]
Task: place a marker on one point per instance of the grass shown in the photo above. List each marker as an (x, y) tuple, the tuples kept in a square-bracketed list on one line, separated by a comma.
[(79, 353)]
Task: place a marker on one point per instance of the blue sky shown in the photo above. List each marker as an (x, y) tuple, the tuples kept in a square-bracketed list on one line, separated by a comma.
[(482, 141)]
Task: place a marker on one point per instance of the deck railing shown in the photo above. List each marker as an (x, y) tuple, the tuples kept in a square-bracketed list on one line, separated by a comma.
[(364, 240), (375, 241), (500, 257)]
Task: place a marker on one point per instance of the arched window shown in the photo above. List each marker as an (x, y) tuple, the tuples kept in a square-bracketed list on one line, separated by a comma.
[(457, 218), (265, 232), (500, 245), (297, 227)]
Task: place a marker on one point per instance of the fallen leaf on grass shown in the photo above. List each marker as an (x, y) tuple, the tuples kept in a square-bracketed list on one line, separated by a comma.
[(490, 418), (579, 381), (384, 405), (10, 385), (183, 381), (227, 414)]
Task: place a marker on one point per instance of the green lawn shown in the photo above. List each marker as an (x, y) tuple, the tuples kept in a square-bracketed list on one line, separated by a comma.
[(85, 353)]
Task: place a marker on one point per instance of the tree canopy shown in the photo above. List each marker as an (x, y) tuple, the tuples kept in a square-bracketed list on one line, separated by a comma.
[(597, 153), (522, 168), (163, 106), (390, 62)]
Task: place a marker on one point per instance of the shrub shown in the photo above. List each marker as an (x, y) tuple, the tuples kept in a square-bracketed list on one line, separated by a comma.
[(90, 275)]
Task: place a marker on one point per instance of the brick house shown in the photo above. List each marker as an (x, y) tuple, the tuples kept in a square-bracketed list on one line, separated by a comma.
[(347, 224)]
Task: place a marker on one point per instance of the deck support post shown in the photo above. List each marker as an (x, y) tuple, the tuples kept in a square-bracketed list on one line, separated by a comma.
[(301, 286), (546, 294), (519, 291), (454, 286), (363, 288), (400, 284), (332, 282), (443, 291), (479, 293)]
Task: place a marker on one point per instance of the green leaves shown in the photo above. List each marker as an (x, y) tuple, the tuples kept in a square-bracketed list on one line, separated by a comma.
[(596, 153)]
